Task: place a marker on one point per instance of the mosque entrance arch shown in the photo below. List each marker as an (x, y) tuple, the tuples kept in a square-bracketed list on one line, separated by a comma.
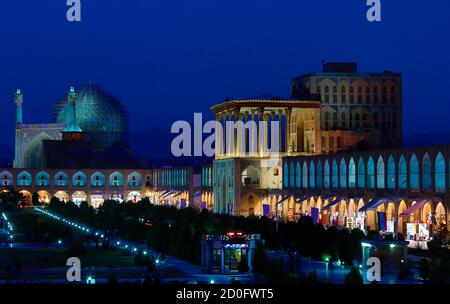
[(32, 158)]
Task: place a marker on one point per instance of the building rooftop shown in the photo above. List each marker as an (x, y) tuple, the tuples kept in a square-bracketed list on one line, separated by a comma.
[(266, 100)]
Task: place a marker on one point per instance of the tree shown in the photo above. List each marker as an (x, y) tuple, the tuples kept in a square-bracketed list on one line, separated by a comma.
[(353, 277)]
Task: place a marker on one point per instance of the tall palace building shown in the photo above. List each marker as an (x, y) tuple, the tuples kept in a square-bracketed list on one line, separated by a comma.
[(356, 108)]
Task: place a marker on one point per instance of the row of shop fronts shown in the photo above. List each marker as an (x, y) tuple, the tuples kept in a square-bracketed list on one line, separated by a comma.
[(416, 219)]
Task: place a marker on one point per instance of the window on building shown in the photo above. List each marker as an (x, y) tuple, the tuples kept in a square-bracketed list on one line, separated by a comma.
[(339, 143), (360, 96), (343, 120), (327, 120), (375, 95), (352, 95), (384, 95), (367, 95), (335, 120), (393, 95), (335, 94), (343, 94)]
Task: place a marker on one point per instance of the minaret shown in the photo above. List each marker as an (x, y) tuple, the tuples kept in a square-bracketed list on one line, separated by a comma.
[(18, 98), (72, 131)]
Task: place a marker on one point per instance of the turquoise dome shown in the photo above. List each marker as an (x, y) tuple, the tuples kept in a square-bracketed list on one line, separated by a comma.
[(100, 115)]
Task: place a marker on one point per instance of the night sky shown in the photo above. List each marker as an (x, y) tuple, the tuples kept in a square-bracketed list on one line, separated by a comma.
[(166, 59)]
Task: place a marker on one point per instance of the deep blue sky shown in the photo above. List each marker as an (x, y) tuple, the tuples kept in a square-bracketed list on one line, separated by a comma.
[(166, 59)]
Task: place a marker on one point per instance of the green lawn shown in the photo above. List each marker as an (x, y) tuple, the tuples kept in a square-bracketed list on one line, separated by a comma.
[(49, 258)]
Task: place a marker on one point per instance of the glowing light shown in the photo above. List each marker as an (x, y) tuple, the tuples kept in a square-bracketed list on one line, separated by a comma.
[(392, 245), (211, 282), (366, 245)]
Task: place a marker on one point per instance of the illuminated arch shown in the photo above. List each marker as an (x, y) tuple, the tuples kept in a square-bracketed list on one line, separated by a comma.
[(285, 175), (439, 173), (134, 196), (343, 174), (28, 197), (135, 179), (334, 175), (62, 196), (426, 210), (32, 158), (292, 176), (24, 179), (326, 179), (116, 179), (319, 175), (312, 177), (6, 179), (351, 174), (380, 173), (98, 179), (43, 179), (391, 181), (361, 173), (441, 214), (426, 173), (402, 174), (44, 197), (79, 196), (79, 179), (298, 175), (61, 179), (370, 173), (414, 173), (305, 176)]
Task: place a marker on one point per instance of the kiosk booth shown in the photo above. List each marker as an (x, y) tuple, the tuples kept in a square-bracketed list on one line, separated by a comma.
[(228, 253)]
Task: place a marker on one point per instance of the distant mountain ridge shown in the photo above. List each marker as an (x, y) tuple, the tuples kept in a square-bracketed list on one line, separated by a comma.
[(426, 139)]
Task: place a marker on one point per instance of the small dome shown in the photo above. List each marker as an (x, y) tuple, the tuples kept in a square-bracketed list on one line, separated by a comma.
[(99, 114)]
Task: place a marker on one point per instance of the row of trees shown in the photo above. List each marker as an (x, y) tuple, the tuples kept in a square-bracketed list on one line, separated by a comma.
[(178, 231)]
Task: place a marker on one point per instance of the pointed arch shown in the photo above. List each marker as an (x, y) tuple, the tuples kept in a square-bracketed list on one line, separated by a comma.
[(326, 173), (414, 173), (292, 176), (370, 173), (43, 179), (402, 174), (116, 179), (24, 179), (439, 173), (312, 177), (79, 179), (351, 173), (6, 179), (298, 175), (426, 173), (285, 175), (391, 180), (134, 179), (361, 173), (343, 174), (98, 179), (305, 175), (334, 175), (319, 175), (380, 173), (61, 179)]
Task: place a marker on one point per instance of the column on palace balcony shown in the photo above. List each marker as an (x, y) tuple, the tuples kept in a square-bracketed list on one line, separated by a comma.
[(260, 113), (239, 140), (252, 141), (280, 136), (266, 130), (219, 136), (288, 130)]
